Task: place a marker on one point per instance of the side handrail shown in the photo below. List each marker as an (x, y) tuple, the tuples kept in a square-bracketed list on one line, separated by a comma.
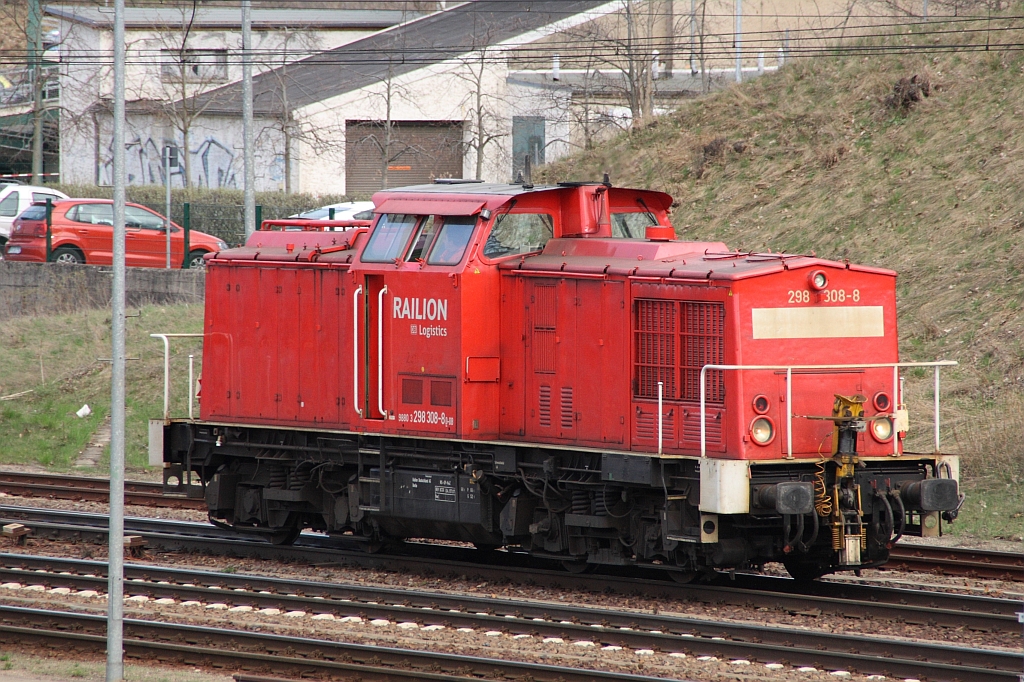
[(380, 350), (166, 338), (789, 394), (355, 349)]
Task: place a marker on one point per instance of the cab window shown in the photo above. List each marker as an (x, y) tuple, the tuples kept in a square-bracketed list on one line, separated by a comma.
[(423, 238), (631, 225), (452, 240), (516, 233), (389, 238)]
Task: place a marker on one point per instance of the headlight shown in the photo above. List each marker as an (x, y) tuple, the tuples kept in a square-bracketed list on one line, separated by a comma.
[(818, 280), (762, 430), (221, 246), (882, 402), (881, 429)]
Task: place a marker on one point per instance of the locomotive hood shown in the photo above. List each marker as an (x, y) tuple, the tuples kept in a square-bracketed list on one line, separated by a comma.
[(669, 259)]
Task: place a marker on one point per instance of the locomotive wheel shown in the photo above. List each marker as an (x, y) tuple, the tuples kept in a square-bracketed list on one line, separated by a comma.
[(806, 570), (683, 577), (485, 546), (579, 566), (288, 536)]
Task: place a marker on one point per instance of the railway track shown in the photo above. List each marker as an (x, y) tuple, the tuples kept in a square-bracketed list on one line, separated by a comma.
[(274, 654), (61, 487), (973, 563), (986, 614), (554, 622), (939, 560)]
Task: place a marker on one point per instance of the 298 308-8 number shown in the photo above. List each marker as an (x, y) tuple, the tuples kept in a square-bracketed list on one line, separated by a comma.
[(827, 296)]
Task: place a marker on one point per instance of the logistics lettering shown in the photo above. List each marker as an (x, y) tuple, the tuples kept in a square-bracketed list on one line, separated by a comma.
[(420, 309)]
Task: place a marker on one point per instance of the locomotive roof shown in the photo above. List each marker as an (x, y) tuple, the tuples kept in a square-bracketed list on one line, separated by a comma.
[(687, 260)]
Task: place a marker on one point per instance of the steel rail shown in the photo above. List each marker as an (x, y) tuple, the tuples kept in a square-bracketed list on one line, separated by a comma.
[(55, 486), (975, 563), (863, 601), (301, 656), (630, 629)]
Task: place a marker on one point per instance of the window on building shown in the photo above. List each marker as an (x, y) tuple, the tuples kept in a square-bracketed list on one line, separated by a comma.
[(674, 340), (194, 66)]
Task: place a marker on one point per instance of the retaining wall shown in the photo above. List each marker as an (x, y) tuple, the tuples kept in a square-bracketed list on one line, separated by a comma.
[(47, 288)]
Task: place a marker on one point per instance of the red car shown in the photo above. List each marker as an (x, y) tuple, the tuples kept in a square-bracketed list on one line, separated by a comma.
[(83, 232)]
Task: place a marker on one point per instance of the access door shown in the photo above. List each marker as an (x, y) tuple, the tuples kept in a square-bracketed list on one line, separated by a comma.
[(552, 400)]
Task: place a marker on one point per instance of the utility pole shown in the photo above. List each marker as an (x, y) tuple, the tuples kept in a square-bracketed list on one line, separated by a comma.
[(115, 531), (34, 33), (738, 40), (247, 135)]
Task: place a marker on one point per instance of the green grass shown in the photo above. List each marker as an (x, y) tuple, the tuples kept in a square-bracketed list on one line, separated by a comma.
[(64, 361)]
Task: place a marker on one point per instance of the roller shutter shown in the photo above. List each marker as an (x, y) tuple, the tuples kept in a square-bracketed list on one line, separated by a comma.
[(420, 152)]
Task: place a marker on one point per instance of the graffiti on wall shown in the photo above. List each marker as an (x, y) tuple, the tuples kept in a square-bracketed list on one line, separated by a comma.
[(213, 164)]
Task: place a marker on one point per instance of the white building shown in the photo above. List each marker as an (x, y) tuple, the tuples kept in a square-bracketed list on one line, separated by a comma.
[(173, 54), (418, 100)]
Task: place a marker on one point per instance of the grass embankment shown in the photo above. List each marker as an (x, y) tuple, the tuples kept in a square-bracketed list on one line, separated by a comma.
[(812, 159), (64, 361)]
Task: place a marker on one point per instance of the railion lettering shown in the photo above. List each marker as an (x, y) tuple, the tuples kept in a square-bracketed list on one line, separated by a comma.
[(420, 309)]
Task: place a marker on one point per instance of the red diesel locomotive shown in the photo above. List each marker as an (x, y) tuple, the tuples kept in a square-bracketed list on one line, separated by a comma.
[(547, 368)]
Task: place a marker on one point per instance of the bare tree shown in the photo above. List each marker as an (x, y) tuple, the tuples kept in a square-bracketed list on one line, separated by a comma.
[(487, 109), (186, 71)]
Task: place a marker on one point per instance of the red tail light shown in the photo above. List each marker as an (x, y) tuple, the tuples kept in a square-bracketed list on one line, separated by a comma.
[(40, 230)]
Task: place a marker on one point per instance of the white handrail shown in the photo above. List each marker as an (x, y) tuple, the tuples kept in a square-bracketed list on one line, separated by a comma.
[(380, 351), (355, 349), (166, 338), (661, 391), (789, 393)]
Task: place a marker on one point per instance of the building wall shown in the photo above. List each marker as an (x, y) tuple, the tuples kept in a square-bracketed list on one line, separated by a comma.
[(87, 86), (442, 92)]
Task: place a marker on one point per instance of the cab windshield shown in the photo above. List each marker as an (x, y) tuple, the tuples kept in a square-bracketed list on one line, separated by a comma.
[(517, 233), (631, 225)]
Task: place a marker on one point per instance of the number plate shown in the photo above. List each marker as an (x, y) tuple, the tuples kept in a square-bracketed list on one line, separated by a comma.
[(13, 249)]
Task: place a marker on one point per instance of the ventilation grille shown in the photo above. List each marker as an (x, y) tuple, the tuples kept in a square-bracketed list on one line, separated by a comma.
[(412, 391), (674, 340), (712, 427), (703, 342), (567, 407), (647, 426), (655, 330), (441, 393), (545, 406)]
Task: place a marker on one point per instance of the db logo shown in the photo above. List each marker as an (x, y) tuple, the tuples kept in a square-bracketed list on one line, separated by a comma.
[(413, 329)]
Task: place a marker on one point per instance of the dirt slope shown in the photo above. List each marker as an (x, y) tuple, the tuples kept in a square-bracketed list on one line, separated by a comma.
[(813, 159)]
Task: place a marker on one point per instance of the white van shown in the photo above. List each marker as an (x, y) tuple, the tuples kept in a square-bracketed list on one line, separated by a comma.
[(16, 198)]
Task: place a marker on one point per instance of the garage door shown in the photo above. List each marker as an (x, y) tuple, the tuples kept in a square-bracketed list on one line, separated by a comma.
[(419, 152)]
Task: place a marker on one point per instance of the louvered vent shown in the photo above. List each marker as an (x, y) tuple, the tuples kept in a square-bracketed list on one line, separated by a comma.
[(655, 330), (647, 426), (567, 407), (545, 406), (703, 343), (712, 427)]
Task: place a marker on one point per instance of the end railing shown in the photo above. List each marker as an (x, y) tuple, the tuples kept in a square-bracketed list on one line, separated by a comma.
[(895, 366), (166, 338)]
